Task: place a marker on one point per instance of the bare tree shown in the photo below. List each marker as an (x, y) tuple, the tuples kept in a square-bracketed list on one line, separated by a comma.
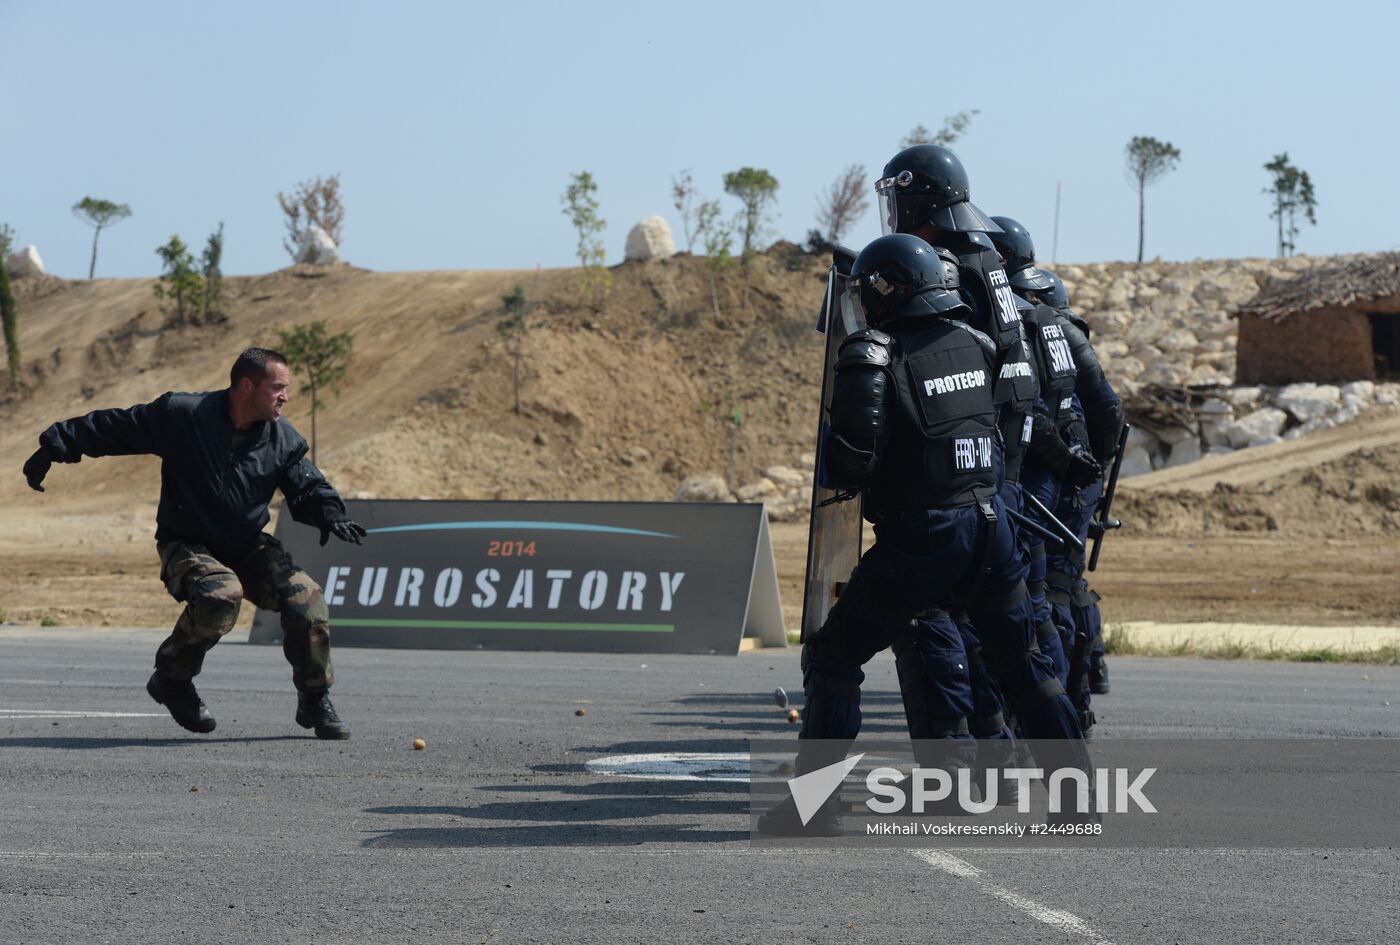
[(99, 214), (683, 197), (315, 201), (954, 127), (1148, 161), (843, 202)]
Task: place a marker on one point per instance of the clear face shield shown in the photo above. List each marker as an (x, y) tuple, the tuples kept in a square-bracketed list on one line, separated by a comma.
[(852, 308), (886, 190)]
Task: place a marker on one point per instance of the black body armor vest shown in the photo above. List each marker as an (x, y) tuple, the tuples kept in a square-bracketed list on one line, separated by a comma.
[(986, 283), (1055, 362), (942, 447)]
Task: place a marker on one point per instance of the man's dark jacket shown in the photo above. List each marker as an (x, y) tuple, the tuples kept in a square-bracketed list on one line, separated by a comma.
[(211, 493)]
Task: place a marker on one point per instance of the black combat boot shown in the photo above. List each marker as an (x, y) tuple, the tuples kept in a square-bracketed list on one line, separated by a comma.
[(314, 710), (1098, 678), (179, 696)]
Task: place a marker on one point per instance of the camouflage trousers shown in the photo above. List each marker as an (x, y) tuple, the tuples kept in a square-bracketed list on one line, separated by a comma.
[(212, 592)]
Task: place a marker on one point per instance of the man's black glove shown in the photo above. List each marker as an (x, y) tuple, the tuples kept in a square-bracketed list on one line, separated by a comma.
[(37, 467), (1083, 470), (344, 529)]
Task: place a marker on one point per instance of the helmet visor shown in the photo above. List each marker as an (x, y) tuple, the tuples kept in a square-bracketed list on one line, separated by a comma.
[(885, 190)]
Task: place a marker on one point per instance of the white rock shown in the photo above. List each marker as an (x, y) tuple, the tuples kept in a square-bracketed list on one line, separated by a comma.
[(1240, 397), (1206, 375), (1183, 452), (1179, 340), (1264, 441), (317, 248), (1219, 451), (790, 508), (1128, 367), (1308, 401), (1172, 436), (1348, 413), (1215, 415), (703, 487), (1227, 290), (1267, 422), (1166, 371), (1136, 462), (1388, 395), (1303, 429), (1111, 349), (25, 262), (1362, 390), (785, 477), (651, 239), (765, 488)]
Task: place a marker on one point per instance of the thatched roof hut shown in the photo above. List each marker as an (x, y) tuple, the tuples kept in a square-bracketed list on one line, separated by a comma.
[(1328, 325)]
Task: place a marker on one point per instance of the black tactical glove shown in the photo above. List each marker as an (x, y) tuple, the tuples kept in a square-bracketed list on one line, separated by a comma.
[(344, 529), (37, 467), (1083, 470)]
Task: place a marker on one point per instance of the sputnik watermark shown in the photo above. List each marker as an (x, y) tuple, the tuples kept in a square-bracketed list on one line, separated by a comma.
[(1116, 790)]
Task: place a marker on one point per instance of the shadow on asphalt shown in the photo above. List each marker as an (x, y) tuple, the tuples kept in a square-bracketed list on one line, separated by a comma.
[(74, 742), (550, 835), (574, 814), (757, 713)]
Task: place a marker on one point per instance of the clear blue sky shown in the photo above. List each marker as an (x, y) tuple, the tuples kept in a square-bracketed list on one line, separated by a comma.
[(456, 126)]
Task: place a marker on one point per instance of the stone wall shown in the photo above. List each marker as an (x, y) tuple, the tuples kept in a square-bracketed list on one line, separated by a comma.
[(1169, 323)]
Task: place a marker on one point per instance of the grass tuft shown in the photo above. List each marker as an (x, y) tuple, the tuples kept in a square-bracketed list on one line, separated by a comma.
[(1119, 641)]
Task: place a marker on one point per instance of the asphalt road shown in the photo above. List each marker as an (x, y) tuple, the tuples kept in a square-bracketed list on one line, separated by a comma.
[(498, 833)]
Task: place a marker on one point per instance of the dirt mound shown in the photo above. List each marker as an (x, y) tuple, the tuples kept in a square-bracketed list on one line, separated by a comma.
[(619, 401), (1358, 493)]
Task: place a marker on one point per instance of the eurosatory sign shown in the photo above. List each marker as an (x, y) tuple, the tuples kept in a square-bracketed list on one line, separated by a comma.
[(609, 576)]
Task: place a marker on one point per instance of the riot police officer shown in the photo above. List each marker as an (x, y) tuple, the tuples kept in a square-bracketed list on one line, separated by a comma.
[(913, 426), (1100, 415), (1069, 444), (924, 191)]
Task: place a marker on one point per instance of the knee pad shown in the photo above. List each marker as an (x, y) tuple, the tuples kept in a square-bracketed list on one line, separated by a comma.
[(303, 606), (213, 604)]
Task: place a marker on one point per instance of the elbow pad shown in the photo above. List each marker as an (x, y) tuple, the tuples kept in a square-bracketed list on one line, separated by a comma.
[(860, 392), (859, 407)]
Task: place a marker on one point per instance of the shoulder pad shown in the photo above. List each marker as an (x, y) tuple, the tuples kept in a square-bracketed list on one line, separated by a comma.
[(986, 342), (981, 240), (1077, 321), (867, 346), (869, 334), (1024, 306)]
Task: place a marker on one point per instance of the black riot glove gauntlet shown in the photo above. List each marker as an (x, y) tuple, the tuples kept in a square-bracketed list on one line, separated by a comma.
[(344, 529), (37, 467), (1083, 470)]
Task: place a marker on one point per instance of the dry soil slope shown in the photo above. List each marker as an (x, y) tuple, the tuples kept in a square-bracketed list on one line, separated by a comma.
[(619, 401)]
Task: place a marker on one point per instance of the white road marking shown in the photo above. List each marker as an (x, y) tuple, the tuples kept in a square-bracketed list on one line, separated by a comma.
[(675, 766), (1055, 918), (74, 714)]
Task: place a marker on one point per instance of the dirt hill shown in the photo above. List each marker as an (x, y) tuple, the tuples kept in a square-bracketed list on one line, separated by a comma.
[(620, 402)]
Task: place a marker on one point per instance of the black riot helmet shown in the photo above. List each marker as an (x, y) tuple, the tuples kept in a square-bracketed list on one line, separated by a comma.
[(927, 184), (901, 276), (1055, 295), (1017, 251)]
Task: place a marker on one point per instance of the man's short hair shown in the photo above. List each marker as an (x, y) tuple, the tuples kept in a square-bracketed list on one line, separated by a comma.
[(252, 364)]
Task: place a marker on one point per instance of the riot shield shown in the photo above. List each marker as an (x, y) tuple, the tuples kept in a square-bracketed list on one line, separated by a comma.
[(834, 535)]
